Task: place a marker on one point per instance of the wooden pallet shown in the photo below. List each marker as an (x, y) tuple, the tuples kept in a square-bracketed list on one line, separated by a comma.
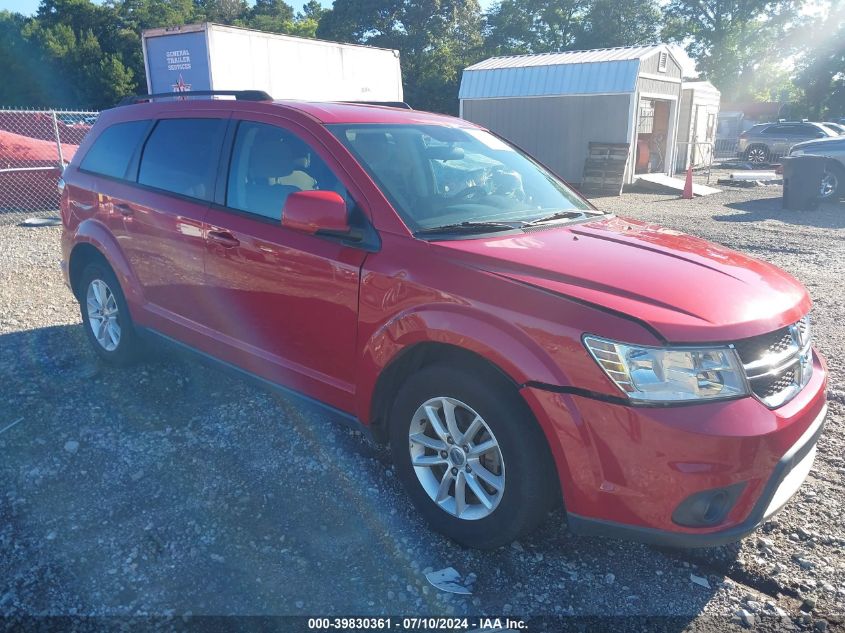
[(604, 168)]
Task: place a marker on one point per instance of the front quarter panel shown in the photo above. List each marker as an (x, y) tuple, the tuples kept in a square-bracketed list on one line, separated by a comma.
[(411, 294)]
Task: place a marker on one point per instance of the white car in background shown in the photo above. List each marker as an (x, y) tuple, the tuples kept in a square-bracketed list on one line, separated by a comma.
[(833, 183)]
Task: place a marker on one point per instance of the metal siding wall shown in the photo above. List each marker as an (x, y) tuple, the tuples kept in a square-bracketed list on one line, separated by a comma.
[(655, 86), (684, 135), (685, 116), (556, 130)]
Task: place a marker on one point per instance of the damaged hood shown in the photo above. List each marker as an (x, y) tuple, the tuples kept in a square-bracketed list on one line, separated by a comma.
[(688, 289)]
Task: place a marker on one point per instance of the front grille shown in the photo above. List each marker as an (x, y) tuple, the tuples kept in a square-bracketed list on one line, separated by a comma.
[(770, 386), (778, 364), (753, 349)]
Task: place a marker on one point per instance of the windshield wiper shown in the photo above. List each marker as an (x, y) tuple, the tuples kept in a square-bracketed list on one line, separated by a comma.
[(557, 215), (569, 214), (466, 227)]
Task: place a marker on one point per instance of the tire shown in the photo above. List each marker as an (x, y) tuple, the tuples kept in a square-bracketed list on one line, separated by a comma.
[(757, 154), (520, 463), (833, 182), (117, 342)]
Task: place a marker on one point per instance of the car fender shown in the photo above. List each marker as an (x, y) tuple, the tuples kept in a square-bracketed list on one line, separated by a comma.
[(502, 344)]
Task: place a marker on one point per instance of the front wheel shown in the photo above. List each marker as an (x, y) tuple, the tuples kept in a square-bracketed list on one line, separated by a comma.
[(833, 182), (471, 456)]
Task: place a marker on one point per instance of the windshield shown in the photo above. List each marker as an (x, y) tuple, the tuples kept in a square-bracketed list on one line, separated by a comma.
[(438, 176)]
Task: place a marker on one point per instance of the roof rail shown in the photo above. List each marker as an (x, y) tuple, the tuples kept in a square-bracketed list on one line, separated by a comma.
[(386, 104), (239, 95)]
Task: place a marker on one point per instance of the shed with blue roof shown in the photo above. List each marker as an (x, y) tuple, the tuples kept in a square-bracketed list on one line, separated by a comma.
[(554, 104)]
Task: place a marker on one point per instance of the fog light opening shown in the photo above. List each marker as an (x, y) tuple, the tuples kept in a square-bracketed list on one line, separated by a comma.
[(708, 507)]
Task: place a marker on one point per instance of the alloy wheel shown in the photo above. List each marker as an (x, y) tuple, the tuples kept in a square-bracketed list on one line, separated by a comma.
[(829, 186), (102, 315), (757, 155), (456, 458)]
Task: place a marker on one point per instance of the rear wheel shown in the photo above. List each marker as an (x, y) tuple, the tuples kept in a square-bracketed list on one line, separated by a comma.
[(757, 154), (471, 456), (105, 316)]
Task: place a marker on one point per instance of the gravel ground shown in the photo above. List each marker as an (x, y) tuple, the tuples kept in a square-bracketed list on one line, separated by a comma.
[(173, 489)]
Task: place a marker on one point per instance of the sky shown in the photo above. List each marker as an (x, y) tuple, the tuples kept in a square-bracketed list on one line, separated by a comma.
[(27, 7)]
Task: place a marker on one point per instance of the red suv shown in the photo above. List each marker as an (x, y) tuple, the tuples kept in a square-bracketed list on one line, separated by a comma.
[(419, 275)]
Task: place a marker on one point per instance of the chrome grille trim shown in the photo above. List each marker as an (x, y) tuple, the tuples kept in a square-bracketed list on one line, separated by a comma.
[(779, 364)]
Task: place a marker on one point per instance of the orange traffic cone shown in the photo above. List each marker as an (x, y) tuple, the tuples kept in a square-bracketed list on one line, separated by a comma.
[(687, 195)]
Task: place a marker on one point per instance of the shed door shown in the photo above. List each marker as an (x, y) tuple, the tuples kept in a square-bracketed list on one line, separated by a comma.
[(704, 133)]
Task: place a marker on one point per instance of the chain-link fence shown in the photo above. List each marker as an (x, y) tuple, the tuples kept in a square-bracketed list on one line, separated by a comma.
[(698, 155), (35, 145), (726, 148)]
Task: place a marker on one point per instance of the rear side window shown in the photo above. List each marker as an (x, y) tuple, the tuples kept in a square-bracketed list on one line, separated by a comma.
[(111, 152), (181, 156)]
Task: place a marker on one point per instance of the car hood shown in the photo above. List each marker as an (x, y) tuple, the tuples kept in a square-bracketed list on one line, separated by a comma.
[(686, 288), (820, 143)]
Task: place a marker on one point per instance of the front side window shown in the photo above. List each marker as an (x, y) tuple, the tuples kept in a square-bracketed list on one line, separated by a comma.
[(268, 164), (181, 156), (111, 152), (436, 175)]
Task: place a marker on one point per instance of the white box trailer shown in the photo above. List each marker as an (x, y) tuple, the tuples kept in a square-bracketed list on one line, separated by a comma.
[(216, 57)]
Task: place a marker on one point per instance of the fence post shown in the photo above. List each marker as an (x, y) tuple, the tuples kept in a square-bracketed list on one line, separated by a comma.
[(58, 139)]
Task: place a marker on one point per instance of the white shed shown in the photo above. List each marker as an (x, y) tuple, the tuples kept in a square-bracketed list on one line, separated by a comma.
[(555, 104), (697, 124)]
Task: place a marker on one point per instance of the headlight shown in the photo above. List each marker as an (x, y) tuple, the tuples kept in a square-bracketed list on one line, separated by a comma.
[(664, 374)]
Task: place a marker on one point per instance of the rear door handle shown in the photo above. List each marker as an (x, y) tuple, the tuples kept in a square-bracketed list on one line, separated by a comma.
[(224, 238), (123, 209)]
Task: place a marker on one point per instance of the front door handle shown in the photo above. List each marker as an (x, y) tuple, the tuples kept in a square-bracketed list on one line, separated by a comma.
[(224, 238)]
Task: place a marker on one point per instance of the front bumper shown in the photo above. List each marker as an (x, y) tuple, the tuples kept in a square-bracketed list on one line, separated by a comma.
[(788, 475), (625, 470)]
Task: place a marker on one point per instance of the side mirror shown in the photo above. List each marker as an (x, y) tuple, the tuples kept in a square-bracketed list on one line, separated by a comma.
[(316, 212)]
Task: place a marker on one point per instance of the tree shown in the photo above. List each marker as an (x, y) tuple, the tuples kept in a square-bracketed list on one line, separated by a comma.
[(436, 40), (534, 26), (139, 15), (730, 38), (610, 23), (23, 78), (821, 71), (277, 16), (274, 8), (224, 11)]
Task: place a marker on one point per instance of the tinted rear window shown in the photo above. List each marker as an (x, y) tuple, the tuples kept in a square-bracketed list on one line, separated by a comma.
[(113, 149), (181, 156)]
